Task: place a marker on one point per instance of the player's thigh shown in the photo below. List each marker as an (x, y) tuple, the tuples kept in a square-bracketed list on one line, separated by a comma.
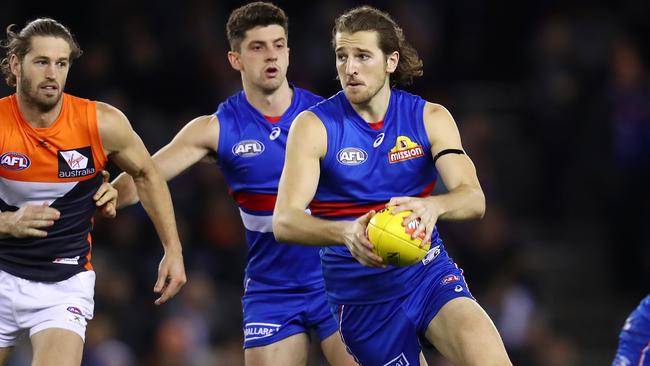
[(56, 346), (464, 333), (5, 352), (380, 334), (290, 351), (336, 352)]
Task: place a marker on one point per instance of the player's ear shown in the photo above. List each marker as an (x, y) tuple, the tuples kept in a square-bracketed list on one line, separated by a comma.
[(233, 58), (391, 62), (14, 64)]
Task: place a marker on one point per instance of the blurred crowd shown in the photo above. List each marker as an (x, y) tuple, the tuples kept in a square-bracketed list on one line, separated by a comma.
[(552, 99)]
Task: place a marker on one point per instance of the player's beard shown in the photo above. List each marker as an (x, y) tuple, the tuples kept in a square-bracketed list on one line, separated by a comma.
[(32, 98), (363, 96)]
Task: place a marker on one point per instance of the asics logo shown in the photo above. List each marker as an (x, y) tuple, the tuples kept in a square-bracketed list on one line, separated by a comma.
[(378, 140), (275, 132)]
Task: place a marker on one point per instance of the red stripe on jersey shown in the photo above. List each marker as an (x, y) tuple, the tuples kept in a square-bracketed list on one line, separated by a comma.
[(342, 209), (273, 119), (353, 209), (376, 125), (255, 201), (428, 189)]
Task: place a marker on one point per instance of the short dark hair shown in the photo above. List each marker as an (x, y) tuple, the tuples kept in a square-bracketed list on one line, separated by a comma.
[(20, 43), (391, 38), (250, 16)]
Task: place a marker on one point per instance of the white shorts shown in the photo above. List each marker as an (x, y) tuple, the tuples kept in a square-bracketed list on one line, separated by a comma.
[(36, 306)]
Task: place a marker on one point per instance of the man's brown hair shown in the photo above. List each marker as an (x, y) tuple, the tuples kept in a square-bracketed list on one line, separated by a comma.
[(390, 36), (20, 43), (249, 16)]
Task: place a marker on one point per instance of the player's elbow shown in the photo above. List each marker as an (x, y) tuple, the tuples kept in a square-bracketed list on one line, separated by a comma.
[(282, 225)]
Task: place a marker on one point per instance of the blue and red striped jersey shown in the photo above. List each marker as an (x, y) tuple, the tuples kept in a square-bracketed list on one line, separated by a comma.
[(251, 156), (365, 167)]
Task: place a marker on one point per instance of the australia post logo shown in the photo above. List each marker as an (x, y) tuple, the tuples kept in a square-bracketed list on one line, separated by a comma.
[(76, 162), (248, 148), (351, 156), (405, 149), (14, 161)]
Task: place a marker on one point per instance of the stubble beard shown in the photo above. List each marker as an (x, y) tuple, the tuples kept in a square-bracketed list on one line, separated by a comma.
[(362, 96), (31, 98), (270, 86)]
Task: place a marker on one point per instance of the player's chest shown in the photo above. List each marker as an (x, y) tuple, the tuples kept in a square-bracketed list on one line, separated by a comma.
[(29, 157)]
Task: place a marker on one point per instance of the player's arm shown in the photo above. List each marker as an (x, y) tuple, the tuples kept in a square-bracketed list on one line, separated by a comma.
[(192, 143), (464, 199), (306, 145), (123, 146)]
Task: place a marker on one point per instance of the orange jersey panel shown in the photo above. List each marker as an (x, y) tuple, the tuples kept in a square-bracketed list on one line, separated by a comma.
[(51, 154)]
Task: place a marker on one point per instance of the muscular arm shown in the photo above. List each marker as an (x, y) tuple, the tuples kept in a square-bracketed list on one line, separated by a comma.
[(306, 145), (196, 140), (126, 150), (464, 199)]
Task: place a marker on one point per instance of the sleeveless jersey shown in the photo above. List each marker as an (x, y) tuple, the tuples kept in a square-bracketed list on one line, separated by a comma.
[(362, 169), (251, 156), (59, 165)]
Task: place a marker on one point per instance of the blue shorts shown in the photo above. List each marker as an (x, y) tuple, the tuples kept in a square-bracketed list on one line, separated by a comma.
[(634, 341), (273, 313), (388, 333)]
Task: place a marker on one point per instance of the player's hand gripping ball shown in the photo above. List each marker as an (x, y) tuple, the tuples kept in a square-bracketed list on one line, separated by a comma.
[(392, 241)]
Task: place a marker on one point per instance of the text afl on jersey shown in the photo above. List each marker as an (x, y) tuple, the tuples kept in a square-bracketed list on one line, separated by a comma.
[(76, 162), (248, 148), (14, 161), (352, 156)]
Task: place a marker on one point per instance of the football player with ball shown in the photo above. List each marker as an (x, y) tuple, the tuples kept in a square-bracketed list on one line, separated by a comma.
[(374, 148)]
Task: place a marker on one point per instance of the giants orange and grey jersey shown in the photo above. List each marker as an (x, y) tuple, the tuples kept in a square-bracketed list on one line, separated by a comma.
[(59, 166)]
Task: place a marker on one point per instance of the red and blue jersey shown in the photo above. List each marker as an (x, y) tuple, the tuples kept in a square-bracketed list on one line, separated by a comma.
[(251, 156), (363, 169)]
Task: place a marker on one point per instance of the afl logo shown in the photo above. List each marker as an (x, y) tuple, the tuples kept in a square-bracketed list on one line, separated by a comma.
[(248, 148), (14, 161), (351, 156)]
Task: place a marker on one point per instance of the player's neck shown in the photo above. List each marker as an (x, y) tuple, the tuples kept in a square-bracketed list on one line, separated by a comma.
[(274, 103), (374, 110), (36, 117)]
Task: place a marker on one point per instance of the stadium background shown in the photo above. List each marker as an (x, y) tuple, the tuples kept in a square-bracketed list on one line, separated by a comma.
[(552, 99)]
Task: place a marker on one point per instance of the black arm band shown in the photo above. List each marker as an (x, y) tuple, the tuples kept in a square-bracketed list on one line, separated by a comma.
[(445, 152)]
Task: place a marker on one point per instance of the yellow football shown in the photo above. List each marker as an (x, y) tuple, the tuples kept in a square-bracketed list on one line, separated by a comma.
[(392, 241)]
